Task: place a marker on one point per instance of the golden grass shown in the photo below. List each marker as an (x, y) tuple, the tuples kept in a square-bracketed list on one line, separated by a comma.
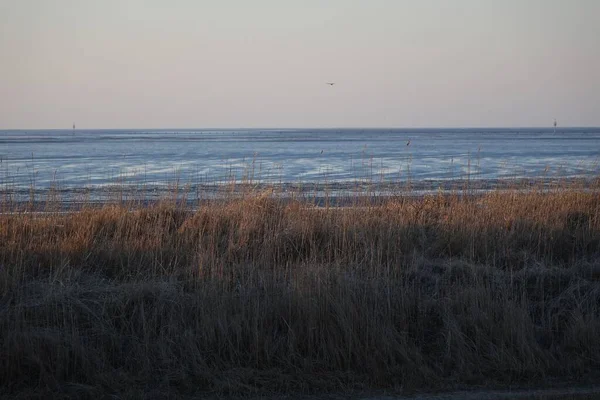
[(258, 294)]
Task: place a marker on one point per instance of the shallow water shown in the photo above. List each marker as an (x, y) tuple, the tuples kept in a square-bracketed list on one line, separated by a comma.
[(74, 159)]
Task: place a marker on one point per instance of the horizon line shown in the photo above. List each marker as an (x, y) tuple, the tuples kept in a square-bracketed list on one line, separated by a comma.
[(304, 128)]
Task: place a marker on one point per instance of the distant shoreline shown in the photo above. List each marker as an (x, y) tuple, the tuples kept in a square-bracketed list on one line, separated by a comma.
[(335, 194)]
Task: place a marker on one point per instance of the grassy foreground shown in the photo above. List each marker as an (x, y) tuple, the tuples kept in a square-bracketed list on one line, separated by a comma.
[(256, 295)]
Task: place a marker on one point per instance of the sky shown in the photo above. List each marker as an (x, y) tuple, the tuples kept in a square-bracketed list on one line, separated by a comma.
[(264, 63)]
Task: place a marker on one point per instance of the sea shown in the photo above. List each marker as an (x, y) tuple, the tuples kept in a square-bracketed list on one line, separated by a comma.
[(158, 160)]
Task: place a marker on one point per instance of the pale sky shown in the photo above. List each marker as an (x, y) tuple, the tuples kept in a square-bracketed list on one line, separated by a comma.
[(264, 63)]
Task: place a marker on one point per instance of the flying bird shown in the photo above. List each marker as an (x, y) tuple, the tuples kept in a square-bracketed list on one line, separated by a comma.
[(408, 143), (330, 83)]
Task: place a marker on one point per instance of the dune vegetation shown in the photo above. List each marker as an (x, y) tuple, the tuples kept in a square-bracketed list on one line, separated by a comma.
[(260, 295)]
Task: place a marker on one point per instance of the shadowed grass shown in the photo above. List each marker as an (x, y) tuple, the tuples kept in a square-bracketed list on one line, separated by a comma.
[(260, 295)]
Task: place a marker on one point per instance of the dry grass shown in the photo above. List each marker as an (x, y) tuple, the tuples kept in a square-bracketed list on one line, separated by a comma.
[(257, 295)]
